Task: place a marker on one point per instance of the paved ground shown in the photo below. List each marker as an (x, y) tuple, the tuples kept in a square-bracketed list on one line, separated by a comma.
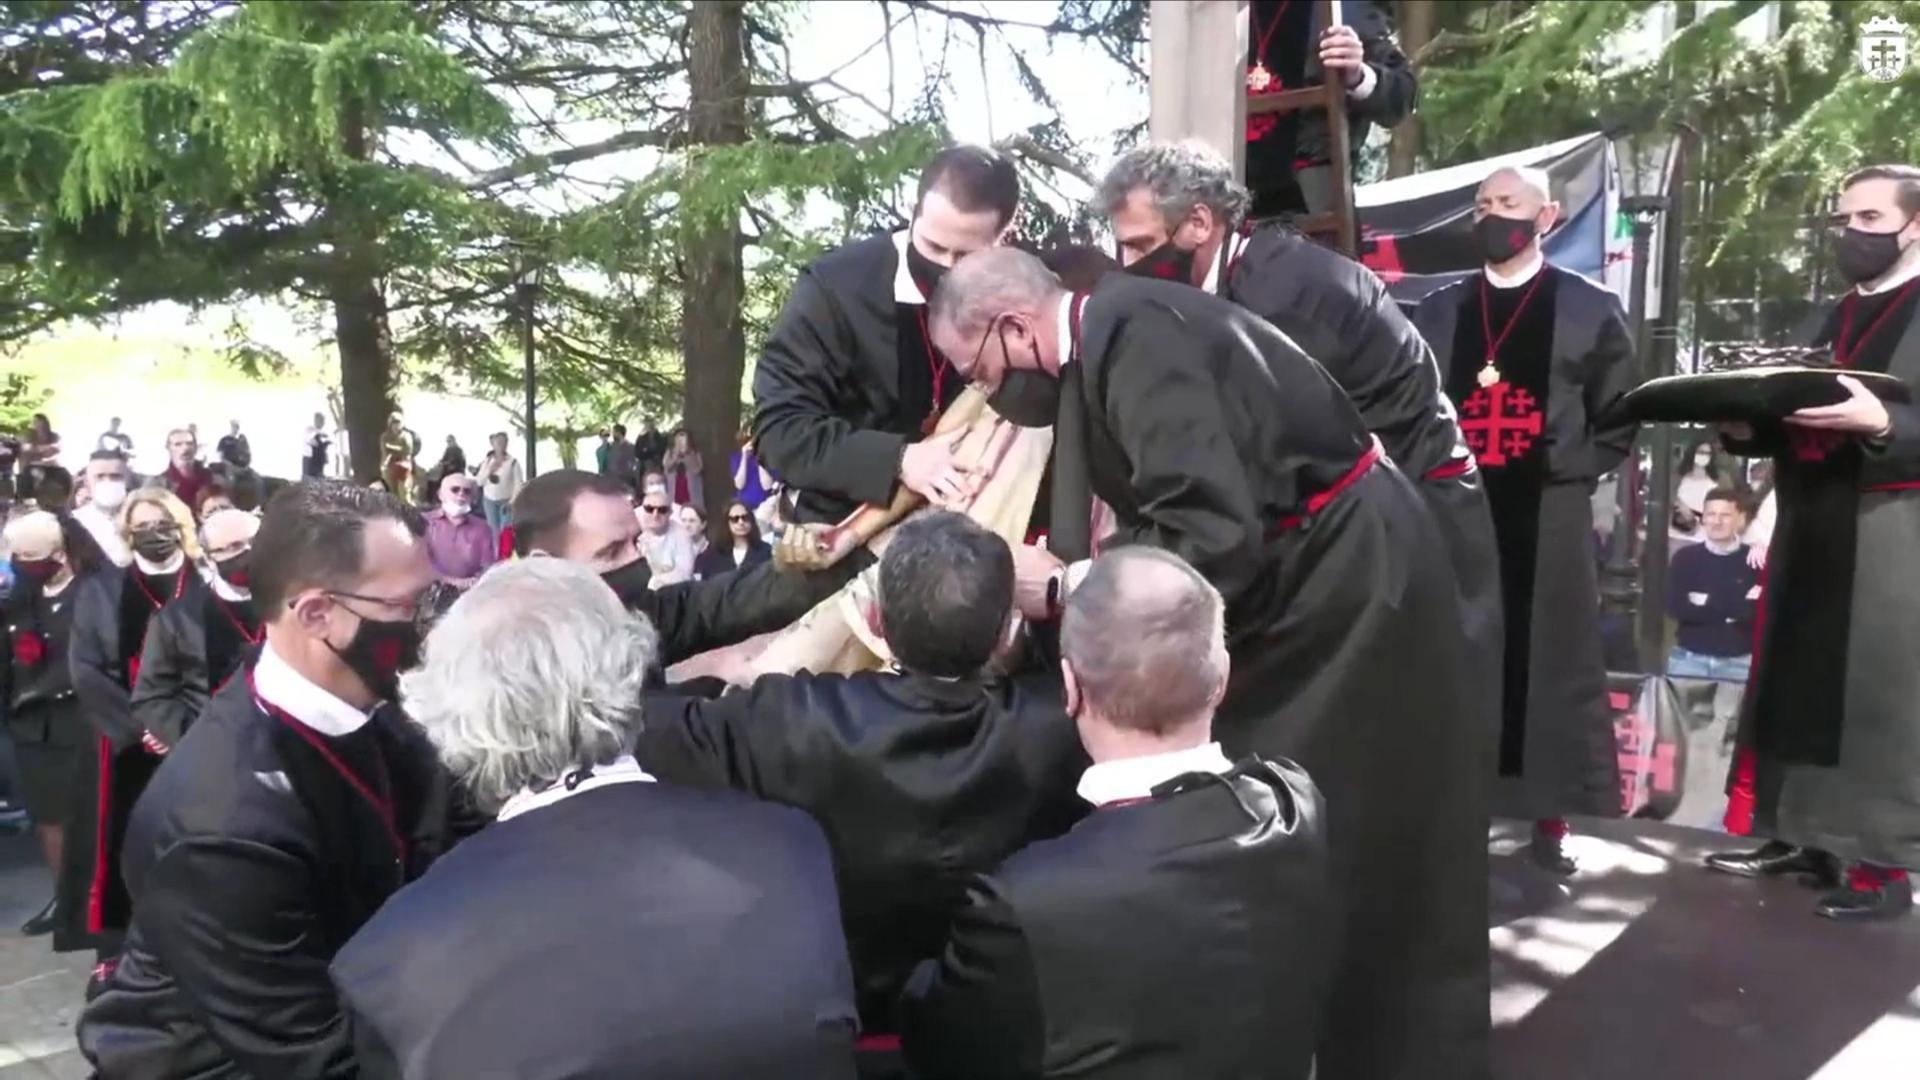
[(1643, 966)]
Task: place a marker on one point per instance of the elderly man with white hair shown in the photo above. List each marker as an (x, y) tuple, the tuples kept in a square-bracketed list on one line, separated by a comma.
[(194, 647), (1186, 927), (1533, 356), (605, 925)]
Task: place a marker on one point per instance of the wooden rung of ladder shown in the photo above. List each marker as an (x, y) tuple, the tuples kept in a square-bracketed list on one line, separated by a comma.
[(1336, 225)]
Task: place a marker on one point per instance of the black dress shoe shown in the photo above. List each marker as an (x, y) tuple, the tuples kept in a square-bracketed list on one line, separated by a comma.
[(1549, 854), (1775, 858), (1888, 900), (41, 923)]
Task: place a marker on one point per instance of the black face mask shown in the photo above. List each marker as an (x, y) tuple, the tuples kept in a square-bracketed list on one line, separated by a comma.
[(35, 572), (1026, 397), (236, 569), (1166, 263), (1862, 256), (379, 652), (925, 272), (630, 580), (1498, 239), (156, 546)]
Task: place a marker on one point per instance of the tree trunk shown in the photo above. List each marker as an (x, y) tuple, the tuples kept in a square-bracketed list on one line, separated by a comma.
[(1416, 30), (360, 329), (713, 344)]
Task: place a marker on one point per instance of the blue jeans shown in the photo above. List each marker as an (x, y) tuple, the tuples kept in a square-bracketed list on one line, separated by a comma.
[(1687, 664), (498, 514)]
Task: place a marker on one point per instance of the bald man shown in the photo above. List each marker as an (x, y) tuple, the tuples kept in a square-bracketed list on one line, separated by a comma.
[(1532, 355), (1209, 434), (193, 648), (36, 689)]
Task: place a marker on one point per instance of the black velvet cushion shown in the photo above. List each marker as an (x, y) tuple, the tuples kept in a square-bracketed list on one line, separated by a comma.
[(1747, 394)]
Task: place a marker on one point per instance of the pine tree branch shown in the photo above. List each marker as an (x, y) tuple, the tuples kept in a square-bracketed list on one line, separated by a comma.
[(536, 163)]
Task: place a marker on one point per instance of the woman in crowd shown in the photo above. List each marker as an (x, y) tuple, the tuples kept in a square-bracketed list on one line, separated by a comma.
[(682, 467), (1690, 493), (692, 519), (751, 482), (745, 548)]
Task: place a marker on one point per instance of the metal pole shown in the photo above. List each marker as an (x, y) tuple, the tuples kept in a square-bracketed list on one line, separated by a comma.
[(527, 289), (1665, 335), (1619, 586)]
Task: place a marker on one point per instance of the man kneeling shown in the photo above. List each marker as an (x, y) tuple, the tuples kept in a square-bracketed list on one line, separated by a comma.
[(1182, 929), (605, 925)]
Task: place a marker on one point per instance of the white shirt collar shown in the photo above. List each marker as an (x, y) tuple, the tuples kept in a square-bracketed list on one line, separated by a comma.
[(174, 563), (1066, 329), (1135, 778), (1728, 548), (1519, 277), (225, 590), (1906, 274), (622, 770), (299, 697), (1221, 258), (905, 290)]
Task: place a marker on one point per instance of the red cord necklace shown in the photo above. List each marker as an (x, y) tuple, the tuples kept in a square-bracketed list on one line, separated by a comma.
[(1490, 374), (936, 366), (251, 637), (1844, 351), (1260, 79), (179, 587)]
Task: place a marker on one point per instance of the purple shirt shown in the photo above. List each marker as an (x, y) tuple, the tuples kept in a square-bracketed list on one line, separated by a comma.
[(459, 549)]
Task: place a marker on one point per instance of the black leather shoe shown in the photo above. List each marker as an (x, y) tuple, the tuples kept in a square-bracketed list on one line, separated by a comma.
[(41, 923), (1549, 854), (1776, 858), (1889, 900)]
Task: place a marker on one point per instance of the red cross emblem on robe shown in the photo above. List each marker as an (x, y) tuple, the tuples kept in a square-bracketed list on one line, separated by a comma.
[(1502, 423)]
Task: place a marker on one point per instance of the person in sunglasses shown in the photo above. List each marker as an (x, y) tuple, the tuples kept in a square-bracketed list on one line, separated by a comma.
[(300, 802), (193, 649), (112, 610), (743, 548)]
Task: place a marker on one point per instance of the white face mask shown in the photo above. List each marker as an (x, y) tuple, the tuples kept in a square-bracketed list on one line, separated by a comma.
[(109, 494), (454, 508)]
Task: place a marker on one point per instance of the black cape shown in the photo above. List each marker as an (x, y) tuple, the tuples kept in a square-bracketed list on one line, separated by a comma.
[(1186, 936), (919, 783), (1206, 430), (112, 612), (693, 617), (846, 380), (192, 649), (1340, 314), (653, 930), (1570, 349), (1834, 703), (244, 889)]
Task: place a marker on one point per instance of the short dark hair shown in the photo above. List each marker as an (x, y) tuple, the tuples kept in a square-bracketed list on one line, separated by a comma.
[(107, 455), (1726, 495), (214, 490), (314, 533), (946, 586), (1905, 177), (973, 178), (619, 429), (545, 505)]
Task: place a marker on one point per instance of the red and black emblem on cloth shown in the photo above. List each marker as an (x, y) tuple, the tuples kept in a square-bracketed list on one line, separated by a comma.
[(1502, 423), (29, 648)]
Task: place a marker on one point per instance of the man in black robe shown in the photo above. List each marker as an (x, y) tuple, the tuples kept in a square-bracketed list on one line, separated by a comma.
[(1532, 356), (1209, 434), (920, 776), (193, 648), (1133, 945), (302, 801), (588, 519), (1177, 215), (1289, 46), (849, 386), (1833, 720)]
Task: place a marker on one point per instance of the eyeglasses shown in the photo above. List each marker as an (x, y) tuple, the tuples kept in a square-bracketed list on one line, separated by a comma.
[(163, 529), (738, 519), (409, 608), (656, 509)]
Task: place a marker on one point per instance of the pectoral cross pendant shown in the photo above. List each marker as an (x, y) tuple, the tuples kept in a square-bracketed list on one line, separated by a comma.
[(1259, 78), (1489, 374)]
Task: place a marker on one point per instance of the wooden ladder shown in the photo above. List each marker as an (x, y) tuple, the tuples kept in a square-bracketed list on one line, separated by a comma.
[(1334, 227)]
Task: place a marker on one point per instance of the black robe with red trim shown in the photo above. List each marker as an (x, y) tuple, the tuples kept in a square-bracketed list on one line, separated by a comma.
[(1833, 708), (1212, 435), (112, 611), (191, 651), (846, 380), (1339, 313), (1564, 357)]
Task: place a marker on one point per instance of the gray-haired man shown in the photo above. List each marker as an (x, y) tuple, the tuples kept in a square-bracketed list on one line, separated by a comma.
[(1178, 214), (1213, 874), (606, 925)]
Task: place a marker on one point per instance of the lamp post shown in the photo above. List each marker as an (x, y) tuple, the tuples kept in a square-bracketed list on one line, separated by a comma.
[(526, 293)]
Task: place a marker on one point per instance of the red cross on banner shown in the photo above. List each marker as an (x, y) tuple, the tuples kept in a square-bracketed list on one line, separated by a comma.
[(1813, 444), (1502, 422)]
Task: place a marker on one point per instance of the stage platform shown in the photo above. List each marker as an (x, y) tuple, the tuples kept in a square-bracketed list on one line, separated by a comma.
[(1646, 967), (1642, 967)]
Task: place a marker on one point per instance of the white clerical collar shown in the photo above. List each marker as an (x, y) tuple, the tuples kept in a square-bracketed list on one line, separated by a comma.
[(299, 697), (1899, 278), (621, 770), (1065, 329), (225, 590), (153, 569), (1135, 778), (1519, 277), (1217, 267), (905, 289)]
